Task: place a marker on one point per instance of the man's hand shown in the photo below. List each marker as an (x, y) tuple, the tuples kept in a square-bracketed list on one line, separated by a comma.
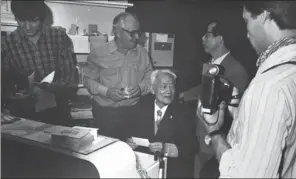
[(217, 118), (156, 147), (134, 91), (131, 143), (51, 87), (115, 94)]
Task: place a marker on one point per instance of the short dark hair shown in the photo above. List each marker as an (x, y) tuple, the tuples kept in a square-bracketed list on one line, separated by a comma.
[(282, 12), (222, 29), (28, 10)]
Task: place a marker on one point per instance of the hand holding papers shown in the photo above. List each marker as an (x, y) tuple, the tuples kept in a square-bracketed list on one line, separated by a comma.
[(48, 78), (141, 141), (44, 99)]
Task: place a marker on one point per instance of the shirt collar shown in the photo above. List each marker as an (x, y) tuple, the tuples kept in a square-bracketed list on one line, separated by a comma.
[(220, 59), (113, 47), (275, 46), (282, 55), (163, 110)]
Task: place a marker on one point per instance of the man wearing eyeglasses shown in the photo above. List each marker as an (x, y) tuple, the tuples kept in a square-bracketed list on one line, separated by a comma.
[(216, 42), (117, 75)]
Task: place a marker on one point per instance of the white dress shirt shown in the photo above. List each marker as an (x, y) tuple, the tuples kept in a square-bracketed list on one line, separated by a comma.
[(219, 60), (156, 108)]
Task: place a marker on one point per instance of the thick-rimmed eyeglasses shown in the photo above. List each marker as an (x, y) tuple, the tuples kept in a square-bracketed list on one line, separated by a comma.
[(133, 33)]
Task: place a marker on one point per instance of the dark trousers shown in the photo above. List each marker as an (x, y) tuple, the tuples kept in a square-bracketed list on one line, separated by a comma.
[(53, 116), (208, 164), (115, 122), (210, 169), (59, 115)]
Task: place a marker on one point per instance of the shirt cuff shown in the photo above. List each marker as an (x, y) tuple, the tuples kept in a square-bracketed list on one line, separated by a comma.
[(225, 164)]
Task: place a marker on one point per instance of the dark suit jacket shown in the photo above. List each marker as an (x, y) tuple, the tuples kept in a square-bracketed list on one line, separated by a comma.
[(175, 127), (234, 72)]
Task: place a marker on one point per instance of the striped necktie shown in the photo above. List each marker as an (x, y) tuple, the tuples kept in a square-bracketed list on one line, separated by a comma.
[(158, 119)]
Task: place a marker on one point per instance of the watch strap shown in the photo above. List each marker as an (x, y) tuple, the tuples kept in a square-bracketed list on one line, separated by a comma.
[(215, 132), (208, 138)]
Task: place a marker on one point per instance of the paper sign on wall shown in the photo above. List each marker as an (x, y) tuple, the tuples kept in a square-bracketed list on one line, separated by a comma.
[(161, 37)]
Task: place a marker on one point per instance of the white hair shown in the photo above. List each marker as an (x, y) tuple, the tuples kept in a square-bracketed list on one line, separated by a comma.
[(161, 71)]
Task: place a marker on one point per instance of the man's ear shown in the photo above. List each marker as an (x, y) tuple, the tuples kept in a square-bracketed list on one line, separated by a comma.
[(221, 40), (116, 31), (265, 16), (152, 91)]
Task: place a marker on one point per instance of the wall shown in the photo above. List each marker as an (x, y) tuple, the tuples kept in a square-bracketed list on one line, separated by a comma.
[(65, 14), (188, 20)]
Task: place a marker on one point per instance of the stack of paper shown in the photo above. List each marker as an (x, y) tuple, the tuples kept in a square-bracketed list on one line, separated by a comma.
[(71, 138), (67, 131)]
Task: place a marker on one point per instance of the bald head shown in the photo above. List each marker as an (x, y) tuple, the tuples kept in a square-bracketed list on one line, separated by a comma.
[(125, 19), (126, 30)]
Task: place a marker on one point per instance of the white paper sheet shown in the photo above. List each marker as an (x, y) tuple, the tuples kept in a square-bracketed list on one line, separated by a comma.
[(161, 37), (141, 141), (92, 131), (48, 78)]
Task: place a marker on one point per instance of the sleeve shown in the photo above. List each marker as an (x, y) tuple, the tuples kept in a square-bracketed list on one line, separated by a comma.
[(145, 84), (185, 138), (262, 128), (7, 80), (192, 93), (239, 77), (5, 60), (91, 78), (68, 62)]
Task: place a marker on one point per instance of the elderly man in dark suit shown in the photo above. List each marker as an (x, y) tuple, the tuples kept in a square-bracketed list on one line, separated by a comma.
[(216, 42), (168, 125)]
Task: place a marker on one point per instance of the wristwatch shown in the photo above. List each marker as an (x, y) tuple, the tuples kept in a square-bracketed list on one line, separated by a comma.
[(208, 138)]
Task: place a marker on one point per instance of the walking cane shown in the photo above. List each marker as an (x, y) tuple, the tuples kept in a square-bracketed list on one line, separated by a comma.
[(159, 156)]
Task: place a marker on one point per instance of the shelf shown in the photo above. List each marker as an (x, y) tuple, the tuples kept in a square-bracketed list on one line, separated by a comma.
[(117, 4), (9, 23)]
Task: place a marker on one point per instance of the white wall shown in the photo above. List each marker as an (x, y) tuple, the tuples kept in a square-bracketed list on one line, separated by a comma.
[(81, 13), (65, 14)]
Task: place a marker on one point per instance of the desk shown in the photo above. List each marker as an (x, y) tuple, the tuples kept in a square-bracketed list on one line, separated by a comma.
[(30, 153)]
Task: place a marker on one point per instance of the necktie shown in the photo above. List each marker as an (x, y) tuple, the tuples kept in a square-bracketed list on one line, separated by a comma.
[(158, 119)]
